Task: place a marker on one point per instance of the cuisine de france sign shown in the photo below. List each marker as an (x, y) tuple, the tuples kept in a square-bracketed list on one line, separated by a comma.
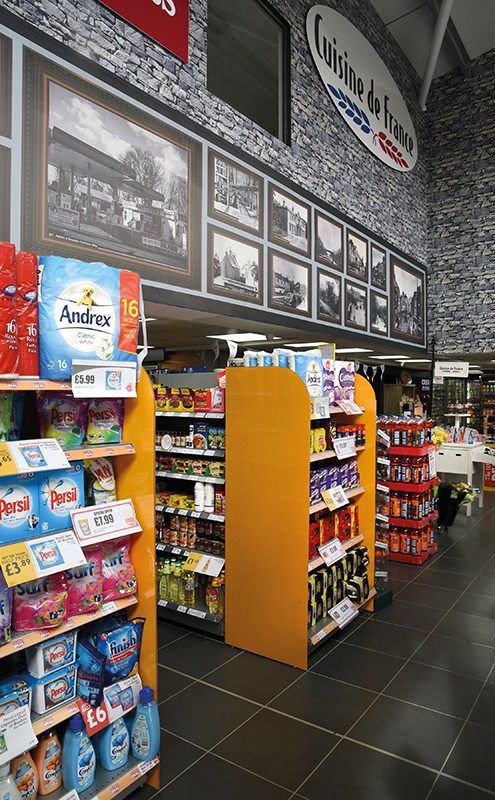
[(362, 88)]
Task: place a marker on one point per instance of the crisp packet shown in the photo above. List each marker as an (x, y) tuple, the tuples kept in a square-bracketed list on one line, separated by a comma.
[(121, 647), (41, 603), (105, 421), (119, 576), (86, 583), (62, 417), (6, 595)]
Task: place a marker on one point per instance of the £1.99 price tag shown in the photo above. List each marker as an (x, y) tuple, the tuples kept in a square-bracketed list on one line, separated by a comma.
[(344, 447), (344, 612), (332, 551), (95, 719)]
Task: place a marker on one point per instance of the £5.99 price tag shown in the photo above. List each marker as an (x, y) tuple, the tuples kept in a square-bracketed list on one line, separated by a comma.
[(332, 551), (344, 612), (103, 379)]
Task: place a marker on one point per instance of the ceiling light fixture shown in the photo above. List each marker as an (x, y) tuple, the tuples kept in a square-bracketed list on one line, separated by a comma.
[(397, 358), (239, 337), (352, 350), (305, 344), (418, 360)]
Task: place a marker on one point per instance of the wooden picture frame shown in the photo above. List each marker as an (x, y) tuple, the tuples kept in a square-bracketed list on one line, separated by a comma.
[(284, 287), (289, 221), (325, 240), (229, 273), (378, 302)]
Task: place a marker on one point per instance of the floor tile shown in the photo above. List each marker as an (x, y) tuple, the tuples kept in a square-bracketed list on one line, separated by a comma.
[(170, 682), (278, 748), (254, 677), (432, 596), (472, 757), (483, 585), (358, 666), (449, 564), (446, 580), (483, 712), (436, 689), (396, 586), (203, 715), (466, 658), (143, 792), (196, 655), (402, 572), (324, 702), (212, 777), (476, 604), (448, 789), (468, 628), (354, 771), (408, 731), (176, 755), (169, 633), (385, 638), (410, 615)]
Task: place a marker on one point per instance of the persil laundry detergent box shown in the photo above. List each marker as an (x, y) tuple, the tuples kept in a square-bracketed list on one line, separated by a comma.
[(344, 380), (61, 491), (86, 311), (46, 657), (309, 367), (19, 507)]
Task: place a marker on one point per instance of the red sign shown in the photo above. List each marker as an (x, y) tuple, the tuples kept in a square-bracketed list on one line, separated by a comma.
[(95, 719), (489, 476), (165, 21)]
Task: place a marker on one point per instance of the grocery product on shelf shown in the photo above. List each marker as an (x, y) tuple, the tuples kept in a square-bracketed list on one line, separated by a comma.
[(6, 601), (8, 788), (119, 574), (54, 689), (328, 586), (26, 269), (47, 757), (45, 657), (105, 421), (9, 343), (15, 692), (61, 491), (25, 776), (41, 603), (100, 485), (86, 583), (78, 757), (198, 534), (187, 401), (113, 745), (145, 731)]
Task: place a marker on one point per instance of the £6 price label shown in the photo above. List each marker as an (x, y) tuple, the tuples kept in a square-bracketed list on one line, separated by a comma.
[(95, 719)]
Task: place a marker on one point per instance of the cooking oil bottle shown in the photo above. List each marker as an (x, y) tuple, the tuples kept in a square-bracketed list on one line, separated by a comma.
[(164, 591), (175, 584), (188, 592)]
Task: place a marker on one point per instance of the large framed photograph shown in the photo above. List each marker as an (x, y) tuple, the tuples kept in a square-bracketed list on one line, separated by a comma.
[(378, 267), (357, 256), (356, 306), (235, 266), (378, 313), (5, 86), (408, 292), (329, 297), (329, 241), (289, 284), (4, 194), (235, 194), (105, 181), (289, 221)]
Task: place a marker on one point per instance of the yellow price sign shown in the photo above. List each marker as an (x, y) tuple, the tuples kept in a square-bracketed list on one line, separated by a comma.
[(192, 561), (7, 463), (16, 564), (334, 498)]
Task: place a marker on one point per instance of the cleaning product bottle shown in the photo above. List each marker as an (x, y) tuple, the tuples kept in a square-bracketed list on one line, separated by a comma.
[(48, 761), (78, 757), (25, 776), (8, 789), (145, 735), (112, 745), (209, 498), (199, 496)]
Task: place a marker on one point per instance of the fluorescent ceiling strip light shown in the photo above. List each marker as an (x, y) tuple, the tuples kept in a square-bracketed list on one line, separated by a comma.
[(240, 337), (352, 350)]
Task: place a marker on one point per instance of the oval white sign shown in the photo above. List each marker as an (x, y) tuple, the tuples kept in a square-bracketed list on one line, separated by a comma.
[(362, 88)]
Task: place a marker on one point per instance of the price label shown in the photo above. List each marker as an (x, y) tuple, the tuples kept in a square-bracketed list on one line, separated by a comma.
[(344, 612), (382, 518), (17, 734), (432, 463), (182, 609), (176, 551), (195, 613), (107, 608), (105, 379), (349, 407), (37, 455), (334, 497), (72, 795), (95, 719), (182, 512), (381, 488), (16, 564), (195, 514), (105, 522), (204, 564), (344, 447), (332, 551), (7, 463), (37, 558), (319, 636)]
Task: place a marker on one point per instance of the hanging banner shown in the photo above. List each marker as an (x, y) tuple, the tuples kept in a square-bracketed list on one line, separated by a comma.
[(451, 369), (165, 21)]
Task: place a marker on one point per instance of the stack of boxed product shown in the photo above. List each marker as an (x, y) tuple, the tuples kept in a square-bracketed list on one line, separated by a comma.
[(345, 474), (343, 524), (185, 401), (329, 585)]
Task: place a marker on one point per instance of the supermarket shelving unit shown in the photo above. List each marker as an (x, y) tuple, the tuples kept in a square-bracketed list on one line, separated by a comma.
[(268, 510), (135, 479)]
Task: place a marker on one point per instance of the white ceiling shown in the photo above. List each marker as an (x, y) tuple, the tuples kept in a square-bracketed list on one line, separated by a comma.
[(471, 30)]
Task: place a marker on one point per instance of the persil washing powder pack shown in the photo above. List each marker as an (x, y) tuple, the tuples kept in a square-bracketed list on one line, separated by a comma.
[(19, 507), (61, 491), (88, 311)]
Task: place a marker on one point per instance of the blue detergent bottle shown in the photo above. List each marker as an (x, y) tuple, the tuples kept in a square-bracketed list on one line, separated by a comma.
[(78, 757), (145, 732), (112, 745)]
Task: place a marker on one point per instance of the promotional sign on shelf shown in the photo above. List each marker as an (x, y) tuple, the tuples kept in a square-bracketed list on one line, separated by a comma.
[(361, 88), (451, 369), (334, 497), (204, 564), (331, 552), (118, 699), (344, 447), (16, 734), (37, 558), (102, 523), (349, 407), (104, 379), (37, 455), (344, 612), (489, 476), (165, 21)]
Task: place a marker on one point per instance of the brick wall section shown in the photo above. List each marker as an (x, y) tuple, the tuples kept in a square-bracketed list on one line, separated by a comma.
[(325, 156), (461, 119)]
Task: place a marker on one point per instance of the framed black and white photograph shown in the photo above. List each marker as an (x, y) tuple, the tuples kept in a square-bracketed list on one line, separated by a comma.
[(4, 194), (329, 297), (356, 306), (289, 221), (289, 284), (378, 267), (5, 86), (357, 256), (104, 180), (329, 241), (408, 291), (235, 266), (378, 313), (235, 195)]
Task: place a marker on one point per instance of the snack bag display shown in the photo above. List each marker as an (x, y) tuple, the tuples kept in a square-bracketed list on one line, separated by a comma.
[(119, 576), (19, 507), (60, 491), (88, 311), (62, 417), (86, 583), (100, 482), (41, 603), (105, 421), (6, 402), (9, 351), (26, 267), (6, 596)]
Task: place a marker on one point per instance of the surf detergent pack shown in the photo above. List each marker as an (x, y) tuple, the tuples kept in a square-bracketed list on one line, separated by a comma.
[(86, 311)]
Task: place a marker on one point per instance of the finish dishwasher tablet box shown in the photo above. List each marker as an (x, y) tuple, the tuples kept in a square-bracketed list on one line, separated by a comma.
[(61, 491), (86, 311), (19, 507)]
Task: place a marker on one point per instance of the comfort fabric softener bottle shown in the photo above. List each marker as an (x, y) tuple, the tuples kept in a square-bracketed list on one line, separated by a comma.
[(145, 733), (78, 756), (112, 745)]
